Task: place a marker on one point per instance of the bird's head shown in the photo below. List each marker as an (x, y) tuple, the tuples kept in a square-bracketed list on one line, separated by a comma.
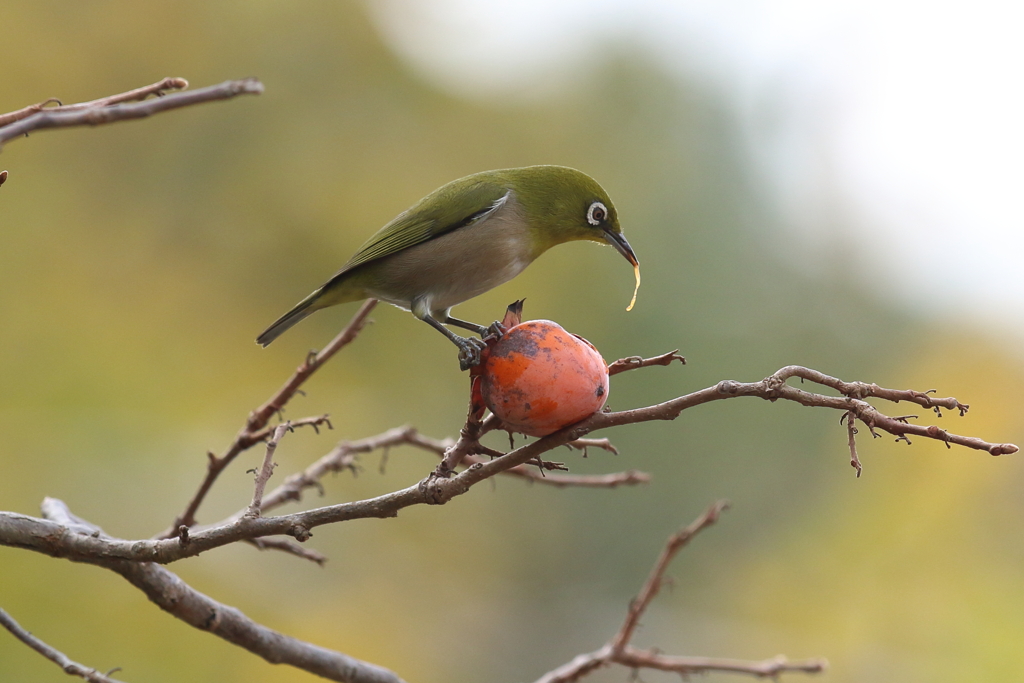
[(561, 204), (564, 205)]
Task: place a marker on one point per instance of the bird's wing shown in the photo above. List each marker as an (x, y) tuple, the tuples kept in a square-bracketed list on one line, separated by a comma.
[(447, 208)]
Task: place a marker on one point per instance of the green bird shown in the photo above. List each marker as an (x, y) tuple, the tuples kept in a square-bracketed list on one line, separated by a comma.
[(465, 238)]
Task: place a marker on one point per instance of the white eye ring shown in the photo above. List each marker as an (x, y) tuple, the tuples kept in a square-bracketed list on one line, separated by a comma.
[(597, 213)]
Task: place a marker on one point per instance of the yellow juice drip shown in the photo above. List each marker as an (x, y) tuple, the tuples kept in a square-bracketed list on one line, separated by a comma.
[(636, 272)]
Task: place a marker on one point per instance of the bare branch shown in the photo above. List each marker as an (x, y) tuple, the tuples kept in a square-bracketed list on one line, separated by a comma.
[(45, 537), (584, 444), (619, 651), (159, 89), (176, 597), (314, 422), (864, 390), (120, 107), (580, 666), (266, 471), (466, 450), (634, 362), (253, 432), (851, 439), (313, 362), (634, 658), (774, 387), (469, 439), (11, 117), (142, 93), (342, 457), (653, 584), (767, 668), (290, 547), (607, 481), (597, 481), (56, 656), (489, 424)]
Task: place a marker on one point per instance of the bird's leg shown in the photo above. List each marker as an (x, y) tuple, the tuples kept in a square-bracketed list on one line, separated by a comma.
[(466, 325), (495, 329), (469, 347)]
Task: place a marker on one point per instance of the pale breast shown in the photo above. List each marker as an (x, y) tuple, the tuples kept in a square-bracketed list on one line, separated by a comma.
[(459, 265)]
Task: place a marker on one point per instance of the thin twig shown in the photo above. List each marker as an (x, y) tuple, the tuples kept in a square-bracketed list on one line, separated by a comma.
[(142, 93), (342, 457), (252, 433), (685, 666), (851, 431), (558, 480), (584, 444), (312, 363), (266, 470), (56, 656), (468, 443), (863, 390), (315, 422), (675, 543), (120, 108), (158, 89), (634, 362), (290, 547), (17, 115)]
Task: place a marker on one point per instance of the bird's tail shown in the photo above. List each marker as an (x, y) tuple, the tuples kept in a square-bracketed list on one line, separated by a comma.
[(285, 322)]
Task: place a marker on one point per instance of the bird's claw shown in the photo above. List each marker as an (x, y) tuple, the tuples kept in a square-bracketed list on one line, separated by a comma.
[(495, 330), (470, 352)]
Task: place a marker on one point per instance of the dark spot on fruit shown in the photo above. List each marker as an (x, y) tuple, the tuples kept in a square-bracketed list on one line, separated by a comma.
[(527, 406), (599, 392), (522, 344)]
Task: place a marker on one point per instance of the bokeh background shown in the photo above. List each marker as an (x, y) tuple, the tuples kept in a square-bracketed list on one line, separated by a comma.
[(832, 186)]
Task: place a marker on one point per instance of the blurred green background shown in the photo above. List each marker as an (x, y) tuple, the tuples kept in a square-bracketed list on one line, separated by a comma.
[(139, 261)]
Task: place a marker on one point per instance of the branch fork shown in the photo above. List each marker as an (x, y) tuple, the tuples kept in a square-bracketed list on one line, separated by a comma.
[(618, 650)]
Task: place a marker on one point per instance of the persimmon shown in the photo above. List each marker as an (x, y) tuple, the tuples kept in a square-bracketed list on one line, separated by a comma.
[(538, 378)]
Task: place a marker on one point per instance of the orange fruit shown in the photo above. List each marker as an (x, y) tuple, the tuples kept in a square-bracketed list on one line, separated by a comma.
[(538, 378)]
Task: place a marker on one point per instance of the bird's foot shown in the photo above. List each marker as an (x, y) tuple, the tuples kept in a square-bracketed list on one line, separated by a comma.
[(470, 351)]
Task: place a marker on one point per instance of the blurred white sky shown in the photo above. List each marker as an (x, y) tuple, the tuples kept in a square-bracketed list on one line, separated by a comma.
[(895, 126)]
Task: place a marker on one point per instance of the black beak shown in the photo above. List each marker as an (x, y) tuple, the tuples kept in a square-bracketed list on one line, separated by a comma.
[(617, 240)]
